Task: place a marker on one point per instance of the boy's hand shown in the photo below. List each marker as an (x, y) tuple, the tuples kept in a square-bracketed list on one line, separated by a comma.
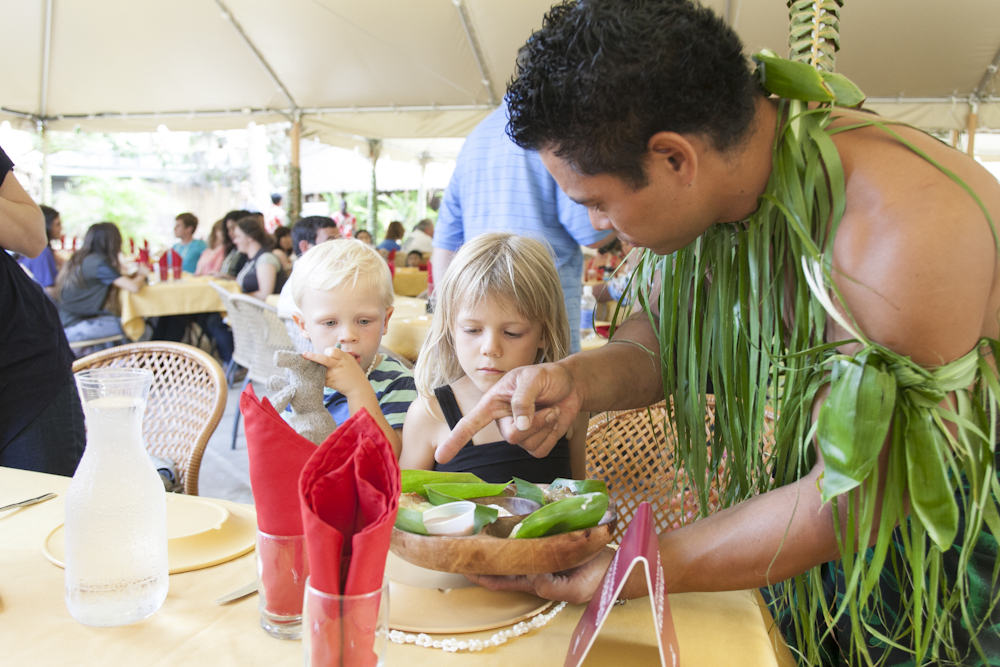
[(343, 374)]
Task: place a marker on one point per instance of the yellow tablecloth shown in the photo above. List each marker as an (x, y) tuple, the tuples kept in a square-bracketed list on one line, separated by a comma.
[(182, 297), (406, 335), (409, 282), (721, 629)]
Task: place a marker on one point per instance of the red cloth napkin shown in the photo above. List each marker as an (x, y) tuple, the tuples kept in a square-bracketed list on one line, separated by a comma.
[(350, 493), (349, 490), (277, 454)]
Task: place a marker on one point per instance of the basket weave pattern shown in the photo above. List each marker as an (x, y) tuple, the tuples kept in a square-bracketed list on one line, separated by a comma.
[(633, 452), (186, 400), (257, 334)]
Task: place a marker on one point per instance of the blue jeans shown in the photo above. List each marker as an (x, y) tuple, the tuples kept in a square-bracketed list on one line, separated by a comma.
[(54, 441)]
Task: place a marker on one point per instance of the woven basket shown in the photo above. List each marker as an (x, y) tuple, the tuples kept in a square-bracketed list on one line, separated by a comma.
[(185, 404), (630, 451)]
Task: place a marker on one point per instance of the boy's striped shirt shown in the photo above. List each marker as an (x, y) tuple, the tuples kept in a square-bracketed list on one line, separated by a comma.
[(394, 387)]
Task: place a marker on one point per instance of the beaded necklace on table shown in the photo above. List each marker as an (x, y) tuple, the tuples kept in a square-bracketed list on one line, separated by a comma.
[(453, 645)]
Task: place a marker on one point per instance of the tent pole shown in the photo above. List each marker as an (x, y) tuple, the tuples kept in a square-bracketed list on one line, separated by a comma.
[(973, 123), (477, 51), (43, 103), (226, 14), (374, 150), (954, 138), (295, 173), (423, 158), (46, 176)]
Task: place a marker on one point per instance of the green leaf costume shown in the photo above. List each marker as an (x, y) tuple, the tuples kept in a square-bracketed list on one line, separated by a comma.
[(746, 305)]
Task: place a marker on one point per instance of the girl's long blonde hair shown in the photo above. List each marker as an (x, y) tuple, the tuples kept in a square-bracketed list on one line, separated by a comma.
[(496, 267)]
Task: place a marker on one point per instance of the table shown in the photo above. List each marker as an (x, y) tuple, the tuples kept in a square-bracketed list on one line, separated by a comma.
[(409, 281), (191, 294), (408, 327), (36, 629)]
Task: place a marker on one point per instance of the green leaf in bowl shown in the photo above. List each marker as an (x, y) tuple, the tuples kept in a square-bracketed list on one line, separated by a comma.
[(463, 491), (414, 481), (563, 516), (526, 489), (580, 486), (412, 521)]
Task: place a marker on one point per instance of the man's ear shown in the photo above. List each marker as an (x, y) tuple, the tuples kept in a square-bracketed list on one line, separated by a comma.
[(303, 247), (674, 154), (385, 323), (300, 320)]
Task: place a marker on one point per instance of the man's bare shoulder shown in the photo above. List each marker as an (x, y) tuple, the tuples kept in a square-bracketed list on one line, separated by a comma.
[(914, 256)]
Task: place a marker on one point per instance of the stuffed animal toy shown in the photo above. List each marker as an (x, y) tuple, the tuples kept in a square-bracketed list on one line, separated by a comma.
[(302, 387)]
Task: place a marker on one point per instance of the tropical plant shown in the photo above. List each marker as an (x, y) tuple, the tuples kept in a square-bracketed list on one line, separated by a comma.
[(130, 203), (746, 305)]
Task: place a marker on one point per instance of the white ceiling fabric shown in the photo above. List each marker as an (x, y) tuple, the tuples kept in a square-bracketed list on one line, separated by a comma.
[(405, 69)]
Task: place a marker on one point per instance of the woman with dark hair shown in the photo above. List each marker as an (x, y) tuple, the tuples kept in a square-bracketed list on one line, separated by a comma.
[(234, 260), (45, 267), (263, 274), (283, 247), (88, 281)]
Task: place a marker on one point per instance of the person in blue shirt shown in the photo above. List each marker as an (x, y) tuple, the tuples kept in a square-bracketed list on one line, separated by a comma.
[(499, 187), (45, 267), (189, 248)]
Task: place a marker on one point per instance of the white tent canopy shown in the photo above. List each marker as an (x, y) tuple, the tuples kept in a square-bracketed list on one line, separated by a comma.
[(411, 69)]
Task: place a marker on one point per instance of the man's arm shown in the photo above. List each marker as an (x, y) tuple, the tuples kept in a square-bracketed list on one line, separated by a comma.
[(535, 405), (440, 261), (23, 228)]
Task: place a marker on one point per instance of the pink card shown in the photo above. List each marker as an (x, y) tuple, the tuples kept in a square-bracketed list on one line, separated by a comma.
[(639, 545)]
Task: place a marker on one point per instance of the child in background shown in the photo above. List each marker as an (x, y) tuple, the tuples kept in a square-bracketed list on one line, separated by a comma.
[(500, 306), (344, 293), (414, 259)]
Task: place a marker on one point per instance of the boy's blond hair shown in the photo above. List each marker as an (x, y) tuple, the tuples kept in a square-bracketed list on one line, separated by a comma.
[(502, 267), (343, 263)]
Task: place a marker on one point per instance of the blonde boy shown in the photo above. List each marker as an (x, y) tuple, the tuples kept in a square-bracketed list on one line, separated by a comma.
[(344, 292)]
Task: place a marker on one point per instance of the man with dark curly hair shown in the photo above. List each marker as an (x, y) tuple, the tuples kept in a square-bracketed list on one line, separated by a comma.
[(647, 113)]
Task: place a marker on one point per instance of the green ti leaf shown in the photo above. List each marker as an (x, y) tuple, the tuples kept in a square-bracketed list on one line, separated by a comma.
[(792, 80), (845, 93), (580, 486), (412, 521), (463, 491), (931, 489), (853, 422), (414, 481), (528, 490), (563, 516)]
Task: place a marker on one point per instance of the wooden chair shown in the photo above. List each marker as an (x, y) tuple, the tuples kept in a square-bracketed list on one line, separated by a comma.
[(631, 453), (185, 404)]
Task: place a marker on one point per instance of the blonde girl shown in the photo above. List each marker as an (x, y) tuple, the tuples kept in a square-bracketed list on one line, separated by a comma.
[(499, 307)]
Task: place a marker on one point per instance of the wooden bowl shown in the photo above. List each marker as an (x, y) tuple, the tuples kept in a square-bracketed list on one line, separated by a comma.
[(487, 554)]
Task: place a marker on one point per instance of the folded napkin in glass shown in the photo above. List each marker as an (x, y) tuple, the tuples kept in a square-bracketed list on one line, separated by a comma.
[(277, 455), (349, 492)]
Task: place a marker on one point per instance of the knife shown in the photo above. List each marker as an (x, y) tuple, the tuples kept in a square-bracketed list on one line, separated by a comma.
[(32, 501), (237, 594)]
